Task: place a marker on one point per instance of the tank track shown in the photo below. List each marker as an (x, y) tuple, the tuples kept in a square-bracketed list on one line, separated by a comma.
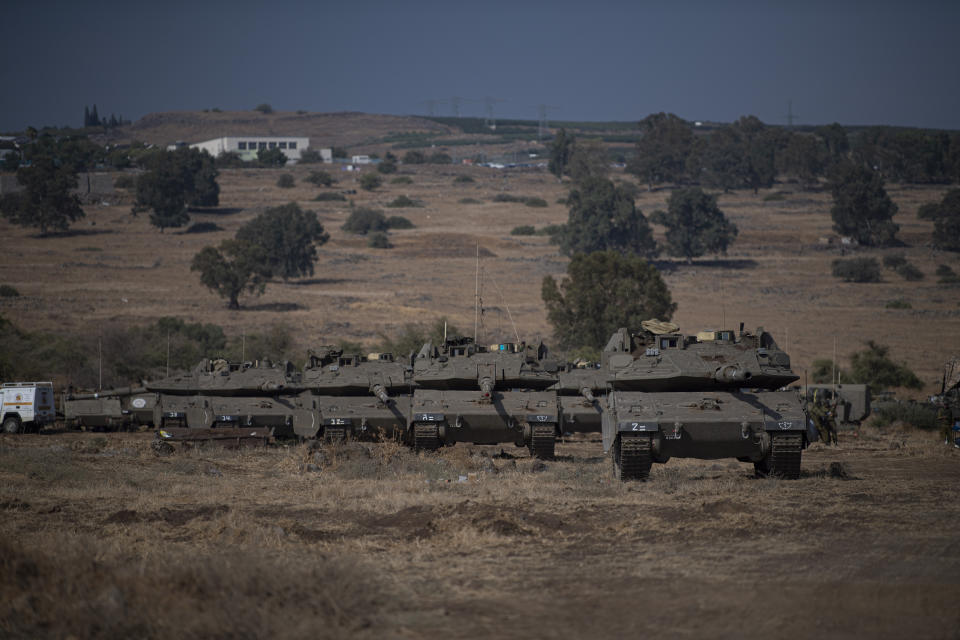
[(542, 441), (633, 456), (786, 450), (426, 436), (334, 434)]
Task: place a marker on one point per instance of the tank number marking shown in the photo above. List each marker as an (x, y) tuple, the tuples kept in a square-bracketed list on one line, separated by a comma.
[(428, 417), (139, 403), (336, 421), (541, 418), (785, 425)]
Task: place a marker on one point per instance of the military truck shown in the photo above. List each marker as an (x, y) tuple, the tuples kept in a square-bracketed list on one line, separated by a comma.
[(470, 393), (689, 396)]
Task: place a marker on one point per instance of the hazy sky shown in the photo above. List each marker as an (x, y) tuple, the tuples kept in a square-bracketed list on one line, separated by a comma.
[(849, 62)]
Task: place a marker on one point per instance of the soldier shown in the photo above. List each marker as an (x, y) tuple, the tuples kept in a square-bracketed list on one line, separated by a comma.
[(818, 414), (830, 419)]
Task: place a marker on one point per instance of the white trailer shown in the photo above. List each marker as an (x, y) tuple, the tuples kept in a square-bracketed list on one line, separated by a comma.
[(26, 405)]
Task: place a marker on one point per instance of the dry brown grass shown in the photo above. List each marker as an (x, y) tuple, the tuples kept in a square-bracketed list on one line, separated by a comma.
[(108, 540)]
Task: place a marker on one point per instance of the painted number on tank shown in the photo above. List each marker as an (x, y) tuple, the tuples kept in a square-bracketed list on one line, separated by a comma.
[(541, 418), (337, 421), (785, 425), (636, 426)]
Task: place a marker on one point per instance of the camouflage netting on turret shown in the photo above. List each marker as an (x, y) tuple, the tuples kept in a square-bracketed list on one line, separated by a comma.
[(659, 326)]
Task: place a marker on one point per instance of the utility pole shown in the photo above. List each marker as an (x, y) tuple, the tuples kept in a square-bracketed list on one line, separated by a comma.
[(791, 116), (455, 102), (543, 125)]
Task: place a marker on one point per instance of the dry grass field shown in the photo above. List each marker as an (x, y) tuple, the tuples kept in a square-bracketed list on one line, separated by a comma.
[(101, 538)]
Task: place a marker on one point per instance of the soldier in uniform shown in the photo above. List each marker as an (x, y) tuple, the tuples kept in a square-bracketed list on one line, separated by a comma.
[(818, 414), (830, 419)]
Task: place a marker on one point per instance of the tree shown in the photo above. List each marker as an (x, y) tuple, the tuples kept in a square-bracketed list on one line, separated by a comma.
[(364, 220), (603, 217), (414, 157), (874, 367), (264, 108), (288, 236), (834, 136), (740, 155), (602, 292), (320, 179), (173, 180), (370, 181), (560, 150), (946, 220), (588, 160), (271, 157), (805, 157), (232, 268), (695, 224), (46, 201), (663, 149), (861, 207)]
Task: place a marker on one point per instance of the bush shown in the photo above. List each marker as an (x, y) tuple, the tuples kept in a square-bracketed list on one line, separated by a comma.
[(414, 157), (776, 196), (204, 227), (894, 262), (6, 291), (399, 222), (387, 166), (401, 180), (286, 181), (263, 108), (550, 230), (469, 201), (909, 272), (440, 158), (857, 270), (320, 179), (506, 197), (330, 196), (946, 275), (370, 181), (463, 180), (338, 152), (535, 202), (916, 414), (364, 220), (523, 230), (898, 304), (310, 156), (403, 201), (229, 160), (379, 240), (125, 182)]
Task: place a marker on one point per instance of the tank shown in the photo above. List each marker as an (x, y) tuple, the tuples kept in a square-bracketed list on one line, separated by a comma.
[(219, 377), (706, 396), (581, 387), (123, 407), (485, 395), (357, 396)]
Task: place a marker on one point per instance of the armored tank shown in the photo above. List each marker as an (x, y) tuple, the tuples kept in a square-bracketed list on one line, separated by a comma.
[(581, 387), (701, 397), (470, 393), (256, 398), (118, 408), (357, 396)]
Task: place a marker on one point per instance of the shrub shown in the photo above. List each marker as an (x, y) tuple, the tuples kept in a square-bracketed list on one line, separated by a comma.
[(916, 414), (440, 158), (387, 166), (338, 152), (535, 202), (286, 181), (370, 181), (414, 157), (6, 291), (506, 197), (403, 201), (909, 272), (399, 222), (469, 201), (364, 220), (550, 230), (204, 227), (523, 230), (263, 108), (125, 182), (310, 156), (776, 196), (320, 179), (898, 304), (857, 269), (379, 240), (401, 180), (329, 196), (229, 160), (894, 262), (463, 180), (946, 275)]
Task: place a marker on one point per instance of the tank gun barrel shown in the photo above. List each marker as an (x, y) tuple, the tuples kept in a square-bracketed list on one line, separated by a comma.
[(486, 387), (381, 393), (587, 394), (730, 373), (107, 393)]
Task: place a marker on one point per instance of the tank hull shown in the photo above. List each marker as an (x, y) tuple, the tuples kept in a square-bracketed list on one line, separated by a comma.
[(362, 417)]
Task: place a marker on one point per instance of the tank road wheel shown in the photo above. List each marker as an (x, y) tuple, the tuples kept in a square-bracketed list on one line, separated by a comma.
[(334, 435), (11, 425), (426, 436), (542, 441), (784, 458), (632, 456)]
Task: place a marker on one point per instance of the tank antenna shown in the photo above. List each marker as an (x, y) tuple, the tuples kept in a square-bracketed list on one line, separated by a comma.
[(505, 304), (476, 297), (723, 308)]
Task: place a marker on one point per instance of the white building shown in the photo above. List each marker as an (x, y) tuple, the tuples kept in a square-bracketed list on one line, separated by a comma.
[(248, 146)]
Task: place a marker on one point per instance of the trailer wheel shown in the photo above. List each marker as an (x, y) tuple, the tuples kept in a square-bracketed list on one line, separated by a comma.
[(11, 424)]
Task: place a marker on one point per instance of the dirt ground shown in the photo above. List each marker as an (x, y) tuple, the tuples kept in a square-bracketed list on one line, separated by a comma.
[(102, 538)]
